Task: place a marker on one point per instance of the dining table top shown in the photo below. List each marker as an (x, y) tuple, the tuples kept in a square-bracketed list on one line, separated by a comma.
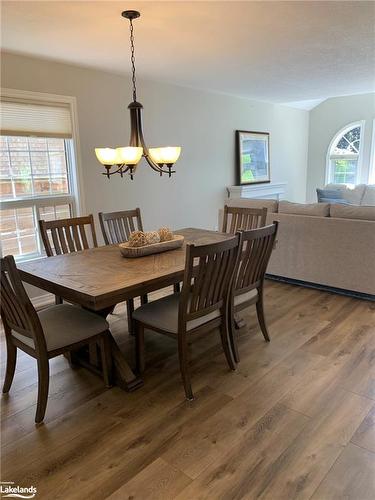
[(101, 277)]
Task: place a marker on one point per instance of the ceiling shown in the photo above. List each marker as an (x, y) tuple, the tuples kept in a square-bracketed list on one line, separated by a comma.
[(282, 52)]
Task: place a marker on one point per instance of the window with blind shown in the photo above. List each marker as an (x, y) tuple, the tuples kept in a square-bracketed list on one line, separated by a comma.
[(36, 172)]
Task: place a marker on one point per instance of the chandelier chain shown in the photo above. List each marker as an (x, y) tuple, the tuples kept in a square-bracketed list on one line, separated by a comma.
[(132, 58)]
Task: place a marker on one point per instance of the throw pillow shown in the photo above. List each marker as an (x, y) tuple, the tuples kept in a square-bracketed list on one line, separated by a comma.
[(328, 195)]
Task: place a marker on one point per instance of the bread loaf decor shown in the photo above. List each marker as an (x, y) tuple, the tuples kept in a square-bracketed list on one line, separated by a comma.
[(152, 237), (142, 243), (165, 234), (137, 239)]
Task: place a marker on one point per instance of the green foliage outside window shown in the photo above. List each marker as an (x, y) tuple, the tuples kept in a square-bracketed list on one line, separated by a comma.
[(345, 171)]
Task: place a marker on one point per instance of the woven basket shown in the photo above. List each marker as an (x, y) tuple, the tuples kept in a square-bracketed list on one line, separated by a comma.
[(163, 246)]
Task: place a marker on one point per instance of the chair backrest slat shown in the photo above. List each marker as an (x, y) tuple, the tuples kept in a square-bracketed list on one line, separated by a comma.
[(117, 226), (209, 270), (122, 229), (243, 218), (63, 241), (62, 236), (17, 311), (55, 240), (256, 249)]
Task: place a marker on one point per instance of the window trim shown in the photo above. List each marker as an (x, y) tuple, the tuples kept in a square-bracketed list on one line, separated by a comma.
[(76, 198), (329, 157)]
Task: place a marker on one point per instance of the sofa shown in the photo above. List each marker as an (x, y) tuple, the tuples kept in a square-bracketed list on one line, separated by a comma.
[(330, 246)]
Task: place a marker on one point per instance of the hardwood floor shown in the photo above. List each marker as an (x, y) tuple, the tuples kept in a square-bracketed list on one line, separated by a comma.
[(295, 421)]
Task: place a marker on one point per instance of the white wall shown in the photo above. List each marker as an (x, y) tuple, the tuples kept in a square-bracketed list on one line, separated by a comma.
[(325, 121), (202, 123)]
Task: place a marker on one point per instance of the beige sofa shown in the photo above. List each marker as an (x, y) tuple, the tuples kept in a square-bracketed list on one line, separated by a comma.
[(322, 245)]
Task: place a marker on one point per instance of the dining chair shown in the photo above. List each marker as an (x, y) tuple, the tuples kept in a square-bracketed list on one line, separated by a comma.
[(43, 335), (62, 236), (67, 235), (117, 226), (237, 218), (201, 306), (254, 255)]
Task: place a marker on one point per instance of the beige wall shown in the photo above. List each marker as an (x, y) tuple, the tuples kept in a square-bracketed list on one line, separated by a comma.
[(325, 121), (202, 123)]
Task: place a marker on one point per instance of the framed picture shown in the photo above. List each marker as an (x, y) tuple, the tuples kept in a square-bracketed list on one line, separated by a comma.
[(252, 157)]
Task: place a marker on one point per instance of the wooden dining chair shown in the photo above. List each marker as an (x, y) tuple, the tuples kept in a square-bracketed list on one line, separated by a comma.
[(243, 218), (117, 226), (53, 331), (254, 255), (68, 235), (62, 236), (201, 305)]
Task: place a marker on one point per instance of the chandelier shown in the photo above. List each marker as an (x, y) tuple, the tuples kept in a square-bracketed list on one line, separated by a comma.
[(123, 160)]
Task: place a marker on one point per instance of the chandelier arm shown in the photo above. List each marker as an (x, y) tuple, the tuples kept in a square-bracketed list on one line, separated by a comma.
[(156, 167), (120, 170), (137, 138)]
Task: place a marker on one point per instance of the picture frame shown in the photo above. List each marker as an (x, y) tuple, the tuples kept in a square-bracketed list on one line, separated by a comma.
[(252, 157)]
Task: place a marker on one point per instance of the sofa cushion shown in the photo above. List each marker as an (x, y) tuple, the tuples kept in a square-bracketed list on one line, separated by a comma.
[(328, 195), (369, 196), (271, 205), (352, 212), (352, 195), (314, 209)]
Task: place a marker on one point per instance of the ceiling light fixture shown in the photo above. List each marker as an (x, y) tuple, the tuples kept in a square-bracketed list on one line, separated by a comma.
[(126, 159)]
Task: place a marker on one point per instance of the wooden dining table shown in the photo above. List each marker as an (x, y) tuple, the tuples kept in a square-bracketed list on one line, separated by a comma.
[(99, 278)]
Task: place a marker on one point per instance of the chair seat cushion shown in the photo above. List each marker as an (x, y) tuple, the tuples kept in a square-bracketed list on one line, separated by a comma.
[(66, 324), (163, 314), (244, 297)]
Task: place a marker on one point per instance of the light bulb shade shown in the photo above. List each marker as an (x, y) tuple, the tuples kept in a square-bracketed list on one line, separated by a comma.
[(106, 156), (167, 155), (128, 155)]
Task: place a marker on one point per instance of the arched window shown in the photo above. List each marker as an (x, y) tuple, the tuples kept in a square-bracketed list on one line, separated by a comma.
[(343, 159)]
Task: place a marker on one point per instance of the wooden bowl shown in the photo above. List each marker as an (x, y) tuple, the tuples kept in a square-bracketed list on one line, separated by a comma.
[(163, 246)]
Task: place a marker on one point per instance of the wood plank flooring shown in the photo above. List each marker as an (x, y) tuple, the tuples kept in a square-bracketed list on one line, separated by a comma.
[(295, 421)]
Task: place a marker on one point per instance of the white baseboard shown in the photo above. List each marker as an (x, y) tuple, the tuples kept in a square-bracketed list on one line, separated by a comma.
[(43, 300)]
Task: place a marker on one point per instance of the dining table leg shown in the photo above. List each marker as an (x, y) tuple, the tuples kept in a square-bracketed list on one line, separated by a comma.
[(123, 375)]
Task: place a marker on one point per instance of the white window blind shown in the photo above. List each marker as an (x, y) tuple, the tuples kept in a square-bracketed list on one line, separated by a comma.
[(19, 118)]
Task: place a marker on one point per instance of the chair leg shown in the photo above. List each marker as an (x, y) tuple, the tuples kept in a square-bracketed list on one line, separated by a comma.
[(140, 347), (130, 310), (58, 300), (11, 365), (176, 288), (43, 385), (233, 337), (225, 341), (261, 318), (144, 299), (106, 358), (183, 355)]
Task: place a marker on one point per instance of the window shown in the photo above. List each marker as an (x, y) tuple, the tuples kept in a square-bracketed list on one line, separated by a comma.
[(344, 156), (37, 173)]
